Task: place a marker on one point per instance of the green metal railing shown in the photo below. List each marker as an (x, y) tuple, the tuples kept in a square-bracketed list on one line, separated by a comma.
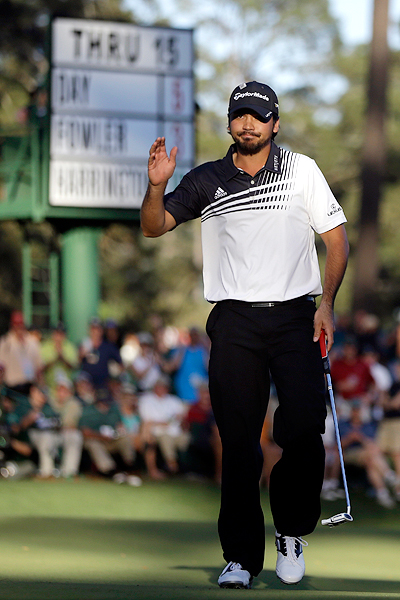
[(40, 288), (23, 174)]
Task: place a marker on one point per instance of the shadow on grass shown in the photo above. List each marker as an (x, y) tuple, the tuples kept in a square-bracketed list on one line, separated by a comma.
[(311, 587), (80, 559), (320, 585)]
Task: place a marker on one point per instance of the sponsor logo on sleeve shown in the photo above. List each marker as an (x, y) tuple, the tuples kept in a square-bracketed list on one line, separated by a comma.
[(335, 208)]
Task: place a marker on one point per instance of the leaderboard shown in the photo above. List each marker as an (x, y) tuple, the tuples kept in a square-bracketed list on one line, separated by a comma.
[(115, 88)]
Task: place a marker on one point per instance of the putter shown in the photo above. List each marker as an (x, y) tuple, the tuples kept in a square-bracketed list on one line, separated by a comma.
[(346, 516)]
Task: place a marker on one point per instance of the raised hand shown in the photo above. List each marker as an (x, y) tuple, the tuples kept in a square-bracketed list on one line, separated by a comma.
[(154, 219), (161, 166)]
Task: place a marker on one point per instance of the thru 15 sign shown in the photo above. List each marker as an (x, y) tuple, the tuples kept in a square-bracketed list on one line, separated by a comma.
[(115, 88)]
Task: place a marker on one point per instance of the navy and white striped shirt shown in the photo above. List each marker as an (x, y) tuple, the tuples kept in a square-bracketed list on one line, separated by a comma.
[(258, 232)]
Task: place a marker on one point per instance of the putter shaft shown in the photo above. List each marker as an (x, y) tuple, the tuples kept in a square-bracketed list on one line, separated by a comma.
[(341, 517)]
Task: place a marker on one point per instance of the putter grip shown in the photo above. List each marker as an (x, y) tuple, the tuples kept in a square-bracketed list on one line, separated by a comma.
[(322, 343)]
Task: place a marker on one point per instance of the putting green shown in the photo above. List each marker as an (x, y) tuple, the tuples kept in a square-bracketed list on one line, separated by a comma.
[(95, 540)]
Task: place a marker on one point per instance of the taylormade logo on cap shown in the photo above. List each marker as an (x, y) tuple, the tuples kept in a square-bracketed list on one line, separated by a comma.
[(255, 96)]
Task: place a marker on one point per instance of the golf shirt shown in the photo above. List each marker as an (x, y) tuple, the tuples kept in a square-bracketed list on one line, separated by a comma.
[(94, 419), (96, 362), (47, 417), (164, 412), (258, 232)]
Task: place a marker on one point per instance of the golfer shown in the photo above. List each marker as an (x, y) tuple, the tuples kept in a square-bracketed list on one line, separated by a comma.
[(259, 207)]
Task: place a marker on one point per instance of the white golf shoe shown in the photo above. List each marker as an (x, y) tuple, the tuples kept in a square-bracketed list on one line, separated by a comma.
[(290, 566), (234, 576)]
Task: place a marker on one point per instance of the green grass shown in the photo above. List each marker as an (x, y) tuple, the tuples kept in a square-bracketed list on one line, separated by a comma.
[(95, 540)]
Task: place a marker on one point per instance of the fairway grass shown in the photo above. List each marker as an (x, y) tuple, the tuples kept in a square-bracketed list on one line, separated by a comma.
[(95, 540)]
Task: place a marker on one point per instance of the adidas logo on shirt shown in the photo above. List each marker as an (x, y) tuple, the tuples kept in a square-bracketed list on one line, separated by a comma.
[(220, 193)]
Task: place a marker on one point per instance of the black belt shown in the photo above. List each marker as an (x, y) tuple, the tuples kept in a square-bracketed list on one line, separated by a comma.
[(268, 304)]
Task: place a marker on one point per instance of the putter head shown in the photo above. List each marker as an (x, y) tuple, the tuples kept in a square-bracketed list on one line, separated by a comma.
[(337, 519)]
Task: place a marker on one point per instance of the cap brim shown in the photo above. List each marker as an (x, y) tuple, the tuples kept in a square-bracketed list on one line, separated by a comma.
[(266, 116)]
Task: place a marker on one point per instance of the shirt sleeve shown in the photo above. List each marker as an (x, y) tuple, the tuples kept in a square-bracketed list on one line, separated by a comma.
[(184, 202), (71, 353), (36, 355), (47, 353), (144, 409), (177, 406), (324, 210)]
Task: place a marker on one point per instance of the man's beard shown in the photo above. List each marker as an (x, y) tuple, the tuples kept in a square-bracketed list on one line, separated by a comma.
[(251, 147)]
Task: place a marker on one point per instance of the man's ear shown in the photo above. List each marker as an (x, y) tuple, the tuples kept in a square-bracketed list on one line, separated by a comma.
[(276, 126)]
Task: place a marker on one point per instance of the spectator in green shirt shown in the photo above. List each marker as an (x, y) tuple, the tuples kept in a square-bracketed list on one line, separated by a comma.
[(12, 448), (35, 416), (59, 356), (104, 434)]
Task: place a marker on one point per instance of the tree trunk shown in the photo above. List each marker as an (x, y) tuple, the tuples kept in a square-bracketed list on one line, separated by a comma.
[(373, 166)]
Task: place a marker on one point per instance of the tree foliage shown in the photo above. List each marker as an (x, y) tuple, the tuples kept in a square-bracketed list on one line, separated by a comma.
[(24, 38), (240, 40)]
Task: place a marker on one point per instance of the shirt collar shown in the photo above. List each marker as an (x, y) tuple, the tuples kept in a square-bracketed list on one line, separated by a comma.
[(273, 163)]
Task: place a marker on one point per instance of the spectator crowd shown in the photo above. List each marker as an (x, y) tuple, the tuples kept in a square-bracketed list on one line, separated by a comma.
[(365, 368), (113, 407), (137, 405)]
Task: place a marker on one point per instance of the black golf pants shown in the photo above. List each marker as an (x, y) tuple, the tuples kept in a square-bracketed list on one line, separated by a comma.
[(248, 344)]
